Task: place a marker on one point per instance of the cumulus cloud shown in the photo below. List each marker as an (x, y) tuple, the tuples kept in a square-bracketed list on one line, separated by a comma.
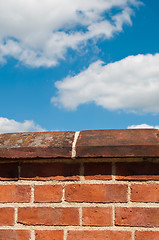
[(131, 84), (38, 33), (144, 125), (10, 125)]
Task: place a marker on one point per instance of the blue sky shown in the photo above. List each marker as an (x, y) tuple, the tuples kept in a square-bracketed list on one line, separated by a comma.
[(78, 65)]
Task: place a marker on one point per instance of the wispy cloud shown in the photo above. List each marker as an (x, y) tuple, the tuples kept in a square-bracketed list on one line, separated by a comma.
[(10, 125), (144, 125), (131, 84), (38, 33)]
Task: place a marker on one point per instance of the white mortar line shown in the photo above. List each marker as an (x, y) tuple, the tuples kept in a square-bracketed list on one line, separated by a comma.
[(65, 234), (74, 144)]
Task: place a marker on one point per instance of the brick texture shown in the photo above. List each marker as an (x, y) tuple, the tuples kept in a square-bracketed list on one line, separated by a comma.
[(143, 171), (97, 216), (49, 171), (147, 235), (48, 216), (145, 193), (15, 193), (8, 171), (48, 193), (77, 199), (98, 171), (96, 193), (98, 235), (6, 216), (49, 235), (137, 217), (14, 234)]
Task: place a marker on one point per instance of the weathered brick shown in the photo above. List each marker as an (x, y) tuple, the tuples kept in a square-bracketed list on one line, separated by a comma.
[(48, 193), (6, 216), (50, 171), (49, 235), (9, 234), (97, 216), (145, 193), (147, 235), (96, 193), (137, 171), (9, 171), (98, 171), (15, 193), (137, 217), (98, 235), (48, 216)]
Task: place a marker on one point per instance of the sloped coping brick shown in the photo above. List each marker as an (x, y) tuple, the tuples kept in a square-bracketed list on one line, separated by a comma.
[(89, 144)]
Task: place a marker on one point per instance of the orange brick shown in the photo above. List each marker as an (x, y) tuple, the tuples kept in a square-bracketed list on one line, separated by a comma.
[(6, 216), (48, 216), (98, 171), (49, 235), (146, 235), (137, 217), (15, 193), (96, 193), (98, 235), (48, 193), (14, 234), (141, 171), (145, 193), (97, 216)]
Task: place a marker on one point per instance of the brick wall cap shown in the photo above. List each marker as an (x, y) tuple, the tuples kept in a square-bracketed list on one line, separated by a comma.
[(91, 143)]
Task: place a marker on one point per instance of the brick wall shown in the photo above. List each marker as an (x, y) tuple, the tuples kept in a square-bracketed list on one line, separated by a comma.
[(88, 198)]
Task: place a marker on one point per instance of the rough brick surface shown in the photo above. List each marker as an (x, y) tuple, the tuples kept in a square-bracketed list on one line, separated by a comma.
[(50, 171), (48, 235), (96, 193), (98, 171), (14, 234), (15, 193), (136, 216), (48, 193), (6, 216), (137, 171), (98, 235), (97, 216), (48, 216), (147, 235), (145, 193), (8, 171)]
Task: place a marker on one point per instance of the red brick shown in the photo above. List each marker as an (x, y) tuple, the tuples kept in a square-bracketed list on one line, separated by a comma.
[(9, 171), (14, 234), (6, 216), (49, 235), (98, 235), (98, 171), (48, 216), (15, 193), (50, 171), (48, 193), (137, 217), (97, 216), (146, 235), (96, 193), (145, 193), (137, 171)]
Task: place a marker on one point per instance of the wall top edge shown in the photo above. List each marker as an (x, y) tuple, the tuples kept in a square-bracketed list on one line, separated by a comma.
[(91, 143)]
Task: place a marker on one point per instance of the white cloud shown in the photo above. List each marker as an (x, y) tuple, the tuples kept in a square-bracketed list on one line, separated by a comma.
[(10, 125), (131, 84), (38, 32), (143, 126)]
